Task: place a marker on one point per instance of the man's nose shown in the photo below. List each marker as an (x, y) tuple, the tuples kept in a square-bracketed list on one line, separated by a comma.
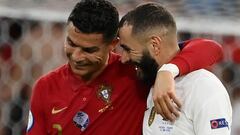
[(78, 54), (125, 57)]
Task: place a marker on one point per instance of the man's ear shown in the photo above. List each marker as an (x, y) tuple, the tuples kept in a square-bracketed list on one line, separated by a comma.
[(114, 43), (156, 43)]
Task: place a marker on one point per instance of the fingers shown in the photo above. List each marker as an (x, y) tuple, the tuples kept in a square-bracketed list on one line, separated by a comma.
[(158, 109), (166, 111), (162, 109), (176, 101), (174, 110), (165, 100), (168, 107)]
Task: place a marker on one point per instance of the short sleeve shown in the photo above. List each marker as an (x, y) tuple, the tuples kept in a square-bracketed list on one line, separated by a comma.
[(36, 121), (212, 110)]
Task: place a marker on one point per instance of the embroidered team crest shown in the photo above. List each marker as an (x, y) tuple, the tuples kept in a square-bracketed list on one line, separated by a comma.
[(152, 116), (104, 93)]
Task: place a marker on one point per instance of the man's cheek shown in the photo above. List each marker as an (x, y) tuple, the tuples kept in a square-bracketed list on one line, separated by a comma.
[(95, 58), (69, 55), (68, 51)]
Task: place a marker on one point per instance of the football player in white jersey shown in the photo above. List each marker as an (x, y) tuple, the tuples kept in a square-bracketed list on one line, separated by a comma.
[(148, 35)]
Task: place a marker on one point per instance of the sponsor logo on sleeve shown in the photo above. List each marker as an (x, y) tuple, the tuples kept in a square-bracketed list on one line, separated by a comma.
[(219, 123)]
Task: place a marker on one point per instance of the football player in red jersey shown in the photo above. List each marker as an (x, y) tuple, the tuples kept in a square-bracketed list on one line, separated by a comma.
[(94, 93)]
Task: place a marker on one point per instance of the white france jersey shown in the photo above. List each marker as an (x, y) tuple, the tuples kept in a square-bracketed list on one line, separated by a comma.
[(206, 108)]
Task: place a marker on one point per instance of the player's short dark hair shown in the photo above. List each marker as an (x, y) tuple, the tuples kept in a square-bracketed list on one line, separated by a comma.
[(96, 16), (148, 16)]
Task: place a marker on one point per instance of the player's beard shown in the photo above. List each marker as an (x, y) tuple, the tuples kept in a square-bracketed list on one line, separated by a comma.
[(148, 69)]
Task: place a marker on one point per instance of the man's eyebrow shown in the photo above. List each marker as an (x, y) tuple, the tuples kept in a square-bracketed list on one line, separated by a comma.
[(77, 30), (95, 47), (69, 40), (125, 47)]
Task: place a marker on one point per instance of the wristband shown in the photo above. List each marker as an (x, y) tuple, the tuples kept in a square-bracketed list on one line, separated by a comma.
[(172, 68)]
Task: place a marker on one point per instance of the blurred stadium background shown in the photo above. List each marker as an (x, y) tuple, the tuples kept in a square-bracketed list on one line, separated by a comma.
[(32, 35)]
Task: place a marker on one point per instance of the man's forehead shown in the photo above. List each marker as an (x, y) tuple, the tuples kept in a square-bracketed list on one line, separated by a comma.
[(126, 28), (75, 34), (76, 30), (71, 26), (125, 33)]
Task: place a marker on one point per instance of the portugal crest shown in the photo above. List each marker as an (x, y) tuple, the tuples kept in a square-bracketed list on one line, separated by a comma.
[(105, 93)]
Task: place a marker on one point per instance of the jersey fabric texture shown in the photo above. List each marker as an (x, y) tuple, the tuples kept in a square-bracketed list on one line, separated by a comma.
[(206, 108)]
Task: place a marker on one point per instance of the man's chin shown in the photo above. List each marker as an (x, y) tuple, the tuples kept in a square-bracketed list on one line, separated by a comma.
[(139, 72), (78, 71), (144, 78)]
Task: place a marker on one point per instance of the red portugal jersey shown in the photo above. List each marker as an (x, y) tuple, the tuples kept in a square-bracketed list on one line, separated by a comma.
[(113, 104)]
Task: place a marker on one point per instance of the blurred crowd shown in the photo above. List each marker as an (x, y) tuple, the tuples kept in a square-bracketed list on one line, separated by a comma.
[(29, 49)]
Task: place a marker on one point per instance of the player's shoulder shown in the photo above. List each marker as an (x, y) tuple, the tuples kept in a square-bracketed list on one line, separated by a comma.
[(200, 88), (57, 73), (201, 79), (196, 40), (202, 41), (197, 75)]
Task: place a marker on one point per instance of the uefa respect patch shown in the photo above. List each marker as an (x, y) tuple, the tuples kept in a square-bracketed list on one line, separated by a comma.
[(219, 123), (81, 120)]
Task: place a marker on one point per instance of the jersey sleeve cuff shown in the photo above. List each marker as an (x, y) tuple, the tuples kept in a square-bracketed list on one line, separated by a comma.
[(172, 68)]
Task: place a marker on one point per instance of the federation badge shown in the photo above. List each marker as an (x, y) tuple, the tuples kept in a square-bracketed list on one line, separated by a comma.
[(152, 116), (104, 93), (219, 123), (81, 120)]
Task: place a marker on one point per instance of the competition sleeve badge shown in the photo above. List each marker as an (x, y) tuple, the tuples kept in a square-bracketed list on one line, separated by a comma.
[(219, 123), (104, 92), (81, 120)]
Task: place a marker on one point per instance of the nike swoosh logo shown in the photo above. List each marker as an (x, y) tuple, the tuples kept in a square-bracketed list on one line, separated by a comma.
[(55, 111)]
